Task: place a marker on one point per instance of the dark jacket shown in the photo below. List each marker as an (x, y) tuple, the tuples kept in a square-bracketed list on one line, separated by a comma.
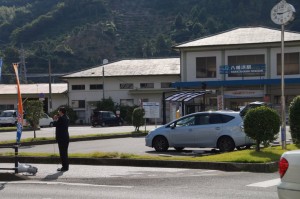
[(61, 131)]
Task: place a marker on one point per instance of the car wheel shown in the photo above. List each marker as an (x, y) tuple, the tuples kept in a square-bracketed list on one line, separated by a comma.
[(103, 124), (178, 148), (51, 124), (120, 123), (160, 144), (226, 144)]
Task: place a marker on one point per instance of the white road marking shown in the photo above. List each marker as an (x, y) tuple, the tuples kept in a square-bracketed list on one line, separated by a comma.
[(265, 184), (64, 183)]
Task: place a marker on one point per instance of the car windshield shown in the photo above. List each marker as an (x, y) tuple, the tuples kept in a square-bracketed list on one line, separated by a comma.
[(6, 114)]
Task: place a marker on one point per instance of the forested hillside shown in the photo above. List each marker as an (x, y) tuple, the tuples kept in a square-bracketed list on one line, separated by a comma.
[(79, 34)]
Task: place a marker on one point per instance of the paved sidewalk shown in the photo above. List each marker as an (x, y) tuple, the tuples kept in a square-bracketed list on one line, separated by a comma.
[(48, 172)]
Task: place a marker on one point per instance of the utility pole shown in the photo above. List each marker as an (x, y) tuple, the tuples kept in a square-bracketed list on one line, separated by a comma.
[(23, 70), (50, 89), (103, 97)]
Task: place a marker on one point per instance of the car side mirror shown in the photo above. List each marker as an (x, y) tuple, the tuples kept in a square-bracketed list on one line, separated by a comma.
[(172, 126)]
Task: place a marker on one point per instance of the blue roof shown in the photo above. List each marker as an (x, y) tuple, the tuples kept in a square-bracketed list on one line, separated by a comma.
[(236, 82)]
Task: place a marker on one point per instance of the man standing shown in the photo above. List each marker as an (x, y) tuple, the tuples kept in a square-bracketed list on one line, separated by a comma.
[(61, 122)]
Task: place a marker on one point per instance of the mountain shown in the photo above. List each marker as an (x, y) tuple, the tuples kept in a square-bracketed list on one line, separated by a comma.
[(79, 34)]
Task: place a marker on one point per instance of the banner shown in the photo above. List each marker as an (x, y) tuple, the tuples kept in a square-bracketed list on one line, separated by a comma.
[(0, 68), (20, 106)]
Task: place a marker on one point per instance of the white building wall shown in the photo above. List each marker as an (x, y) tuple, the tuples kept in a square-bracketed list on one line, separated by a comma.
[(112, 89), (57, 100), (190, 68), (274, 52)]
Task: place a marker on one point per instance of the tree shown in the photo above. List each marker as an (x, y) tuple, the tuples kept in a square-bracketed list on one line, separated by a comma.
[(138, 118), (294, 118), (106, 105), (34, 111), (179, 22), (262, 125), (70, 113), (126, 113)]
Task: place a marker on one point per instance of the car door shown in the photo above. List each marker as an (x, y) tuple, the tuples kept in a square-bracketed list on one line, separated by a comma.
[(43, 121), (210, 125), (183, 132), (112, 118)]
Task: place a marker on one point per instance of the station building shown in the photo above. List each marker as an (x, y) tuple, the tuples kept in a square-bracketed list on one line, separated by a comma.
[(240, 66)]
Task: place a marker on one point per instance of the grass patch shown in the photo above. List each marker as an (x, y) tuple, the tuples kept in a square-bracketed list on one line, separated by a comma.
[(270, 154), (28, 140)]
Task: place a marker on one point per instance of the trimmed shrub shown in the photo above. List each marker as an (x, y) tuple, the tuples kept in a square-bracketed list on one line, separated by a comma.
[(294, 119), (262, 124), (138, 118)]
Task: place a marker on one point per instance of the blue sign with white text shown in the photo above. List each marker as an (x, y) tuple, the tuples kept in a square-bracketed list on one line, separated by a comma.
[(242, 68)]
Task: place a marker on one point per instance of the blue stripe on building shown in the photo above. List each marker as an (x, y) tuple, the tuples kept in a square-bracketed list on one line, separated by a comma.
[(251, 82)]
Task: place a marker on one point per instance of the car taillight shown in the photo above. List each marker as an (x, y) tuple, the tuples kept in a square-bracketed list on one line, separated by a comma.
[(283, 166)]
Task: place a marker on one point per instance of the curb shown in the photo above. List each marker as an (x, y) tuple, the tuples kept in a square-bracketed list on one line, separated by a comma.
[(223, 166)]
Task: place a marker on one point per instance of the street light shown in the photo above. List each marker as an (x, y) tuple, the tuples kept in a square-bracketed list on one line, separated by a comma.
[(282, 13)]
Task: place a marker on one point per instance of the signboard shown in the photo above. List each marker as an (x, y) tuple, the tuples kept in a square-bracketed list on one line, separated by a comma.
[(41, 96), (151, 109), (243, 94), (243, 68)]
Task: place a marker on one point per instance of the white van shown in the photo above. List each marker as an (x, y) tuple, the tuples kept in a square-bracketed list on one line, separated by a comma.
[(8, 118)]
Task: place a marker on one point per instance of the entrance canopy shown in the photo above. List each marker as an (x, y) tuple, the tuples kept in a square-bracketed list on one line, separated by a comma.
[(184, 96)]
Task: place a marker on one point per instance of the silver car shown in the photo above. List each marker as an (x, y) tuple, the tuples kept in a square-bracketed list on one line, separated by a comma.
[(217, 129)]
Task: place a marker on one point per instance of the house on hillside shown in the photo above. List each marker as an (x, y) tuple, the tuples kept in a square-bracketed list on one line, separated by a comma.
[(127, 82), (241, 65), (9, 99)]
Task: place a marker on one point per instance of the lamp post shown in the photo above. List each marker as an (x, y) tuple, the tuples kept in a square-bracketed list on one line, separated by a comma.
[(282, 13)]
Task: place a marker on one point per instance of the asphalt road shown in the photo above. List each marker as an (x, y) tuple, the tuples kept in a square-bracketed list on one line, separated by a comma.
[(83, 181), (134, 145), (73, 130)]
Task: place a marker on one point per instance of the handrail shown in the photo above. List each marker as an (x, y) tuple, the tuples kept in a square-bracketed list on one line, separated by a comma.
[(16, 147)]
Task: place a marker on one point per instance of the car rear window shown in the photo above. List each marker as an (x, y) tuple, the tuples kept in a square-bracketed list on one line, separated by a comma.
[(227, 118)]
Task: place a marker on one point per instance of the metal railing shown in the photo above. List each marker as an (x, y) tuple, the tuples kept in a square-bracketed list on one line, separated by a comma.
[(16, 148)]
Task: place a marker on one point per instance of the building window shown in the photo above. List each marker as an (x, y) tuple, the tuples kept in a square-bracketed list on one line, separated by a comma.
[(147, 85), (6, 107), (78, 103), (78, 87), (206, 67), (242, 60), (291, 63), (126, 102), (166, 85), (126, 86), (96, 86)]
